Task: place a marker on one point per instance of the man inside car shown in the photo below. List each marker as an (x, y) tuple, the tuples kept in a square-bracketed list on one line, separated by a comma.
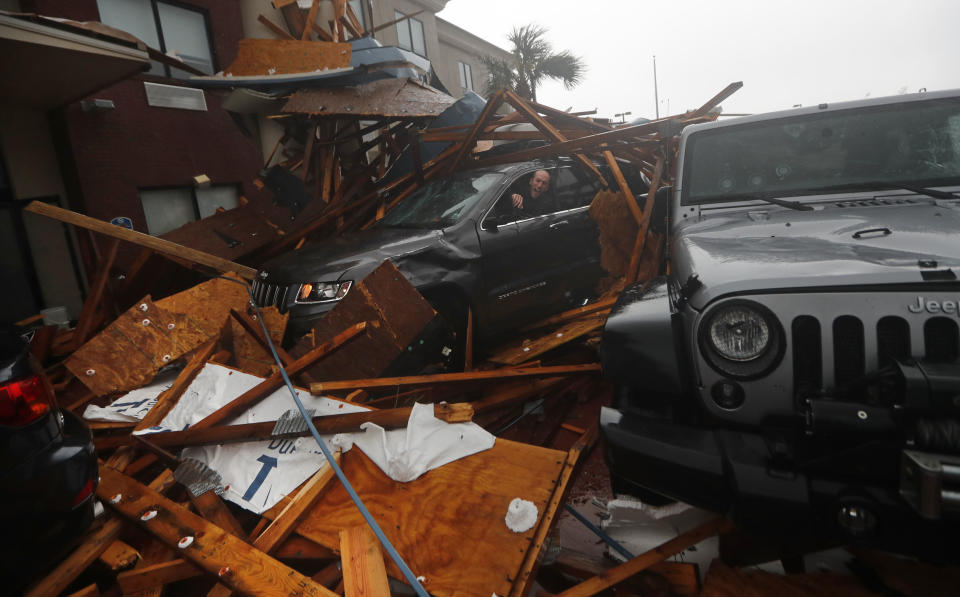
[(533, 200)]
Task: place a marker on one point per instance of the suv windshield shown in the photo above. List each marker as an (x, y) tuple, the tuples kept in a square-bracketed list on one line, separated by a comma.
[(442, 202), (915, 143)]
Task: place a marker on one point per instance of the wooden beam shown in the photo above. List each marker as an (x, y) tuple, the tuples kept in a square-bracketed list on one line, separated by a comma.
[(624, 187), (395, 21), (493, 103), (645, 222), (138, 238), (95, 296), (549, 130), (119, 555), (364, 572), (322, 33), (275, 29), (95, 543), (285, 522), (267, 386), (226, 434), (91, 590), (571, 315), (524, 350), (240, 566), (147, 577), (440, 378), (311, 18), (647, 559), (256, 332), (531, 562), (716, 100), (169, 397)]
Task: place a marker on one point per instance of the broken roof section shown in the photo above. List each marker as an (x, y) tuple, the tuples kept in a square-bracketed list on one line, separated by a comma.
[(51, 62), (385, 98)]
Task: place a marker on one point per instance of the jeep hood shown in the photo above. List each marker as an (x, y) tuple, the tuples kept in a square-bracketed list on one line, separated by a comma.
[(352, 255), (771, 249)]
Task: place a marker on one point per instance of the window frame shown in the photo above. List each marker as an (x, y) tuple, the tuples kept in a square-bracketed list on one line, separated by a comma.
[(409, 25), (193, 197), (466, 75), (155, 11)]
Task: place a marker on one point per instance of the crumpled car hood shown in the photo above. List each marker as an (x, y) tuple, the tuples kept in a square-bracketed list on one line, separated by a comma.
[(733, 252), (358, 253)]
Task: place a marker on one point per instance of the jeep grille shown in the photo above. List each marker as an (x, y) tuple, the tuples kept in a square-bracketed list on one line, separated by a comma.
[(887, 339), (270, 295)]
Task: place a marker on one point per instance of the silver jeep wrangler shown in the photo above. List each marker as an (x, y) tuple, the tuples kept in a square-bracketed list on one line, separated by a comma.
[(798, 368)]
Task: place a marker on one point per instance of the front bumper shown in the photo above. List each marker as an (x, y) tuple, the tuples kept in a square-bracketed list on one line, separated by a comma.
[(731, 472)]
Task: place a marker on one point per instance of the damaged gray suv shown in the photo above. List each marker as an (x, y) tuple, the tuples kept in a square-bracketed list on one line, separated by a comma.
[(798, 368)]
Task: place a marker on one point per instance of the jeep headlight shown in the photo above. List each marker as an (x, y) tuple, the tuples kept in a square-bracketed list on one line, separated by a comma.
[(741, 339), (739, 333), (323, 292)]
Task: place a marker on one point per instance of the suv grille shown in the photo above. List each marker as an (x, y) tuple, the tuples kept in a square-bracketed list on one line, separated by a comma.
[(270, 295), (859, 348)]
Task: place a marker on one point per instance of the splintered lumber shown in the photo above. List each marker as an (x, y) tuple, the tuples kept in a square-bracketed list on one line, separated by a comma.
[(618, 231), (240, 566), (138, 238), (208, 304), (393, 418), (95, 543), (285, 523), (464, 149), (647, 559), (155, 575), (724, 581), (524, 350), (90, 590), (716, 100), (448, 525), (364, 573), (624, 187), (386, 297), (248, 345), (441, 378), (253, 328), (531, 562), (572, 314), (95, 296), (169, 397), (130, 351), (285, 56), (275, 29), (632, 270), (119, 555), (267, 386)]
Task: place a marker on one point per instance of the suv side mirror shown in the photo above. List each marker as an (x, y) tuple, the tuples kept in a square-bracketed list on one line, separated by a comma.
[(492, 223)]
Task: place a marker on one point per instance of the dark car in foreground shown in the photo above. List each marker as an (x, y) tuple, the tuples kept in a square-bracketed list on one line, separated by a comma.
[(48, 468), (799, 368), (462, 244)]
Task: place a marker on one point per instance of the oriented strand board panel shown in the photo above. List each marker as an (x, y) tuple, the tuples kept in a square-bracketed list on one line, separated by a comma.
[(232, 234), (448, 525), (130, 351), (384, 296), (618, 231), (208, 304), (282, 57), (397, 98), (248, 354)]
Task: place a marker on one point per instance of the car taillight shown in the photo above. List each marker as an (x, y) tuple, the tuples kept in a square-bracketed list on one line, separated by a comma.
[(84, 493), (23, 401)]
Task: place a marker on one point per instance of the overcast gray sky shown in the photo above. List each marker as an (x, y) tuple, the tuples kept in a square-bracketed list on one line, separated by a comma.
[(786, 53)]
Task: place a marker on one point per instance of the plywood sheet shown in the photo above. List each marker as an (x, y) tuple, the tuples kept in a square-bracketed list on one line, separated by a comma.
[(130, 351), (448, 525), (208, 304), (248, 354), (281, 57), (391, 98), (384, 296)]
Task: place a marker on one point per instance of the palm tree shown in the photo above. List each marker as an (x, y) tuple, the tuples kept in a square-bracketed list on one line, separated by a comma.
[(533, 61)]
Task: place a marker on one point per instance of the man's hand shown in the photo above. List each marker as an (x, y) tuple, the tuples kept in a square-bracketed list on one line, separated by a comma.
[(517, 200)]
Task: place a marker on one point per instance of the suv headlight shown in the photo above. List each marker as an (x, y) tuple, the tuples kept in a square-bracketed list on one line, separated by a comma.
[(741, 339), (323, 292)]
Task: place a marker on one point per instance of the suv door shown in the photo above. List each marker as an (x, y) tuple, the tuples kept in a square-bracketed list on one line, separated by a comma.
[(536, 265)]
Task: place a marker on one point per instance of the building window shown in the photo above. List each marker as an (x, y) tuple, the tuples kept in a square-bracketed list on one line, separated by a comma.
[(410, 34), (357, 7), (170, 208), (466, 76), (175, 30)]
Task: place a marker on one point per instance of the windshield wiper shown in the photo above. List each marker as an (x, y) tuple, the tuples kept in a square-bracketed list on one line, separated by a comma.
[(882, 184), (781, 202)]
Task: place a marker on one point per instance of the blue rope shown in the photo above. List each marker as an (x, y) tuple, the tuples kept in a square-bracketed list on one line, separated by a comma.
[(600, 533), (394, 555)]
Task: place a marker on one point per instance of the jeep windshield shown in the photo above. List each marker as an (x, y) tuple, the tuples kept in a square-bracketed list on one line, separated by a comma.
[(911, 146), (442, 202)]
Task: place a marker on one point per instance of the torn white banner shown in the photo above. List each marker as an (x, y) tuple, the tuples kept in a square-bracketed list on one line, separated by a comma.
[(256, 474), (425, 444), (134, 405)]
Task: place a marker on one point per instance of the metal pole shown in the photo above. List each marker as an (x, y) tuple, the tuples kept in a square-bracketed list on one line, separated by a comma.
[(656, 98)]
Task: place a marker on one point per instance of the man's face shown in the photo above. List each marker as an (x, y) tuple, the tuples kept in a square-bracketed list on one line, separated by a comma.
[(539, 183)]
